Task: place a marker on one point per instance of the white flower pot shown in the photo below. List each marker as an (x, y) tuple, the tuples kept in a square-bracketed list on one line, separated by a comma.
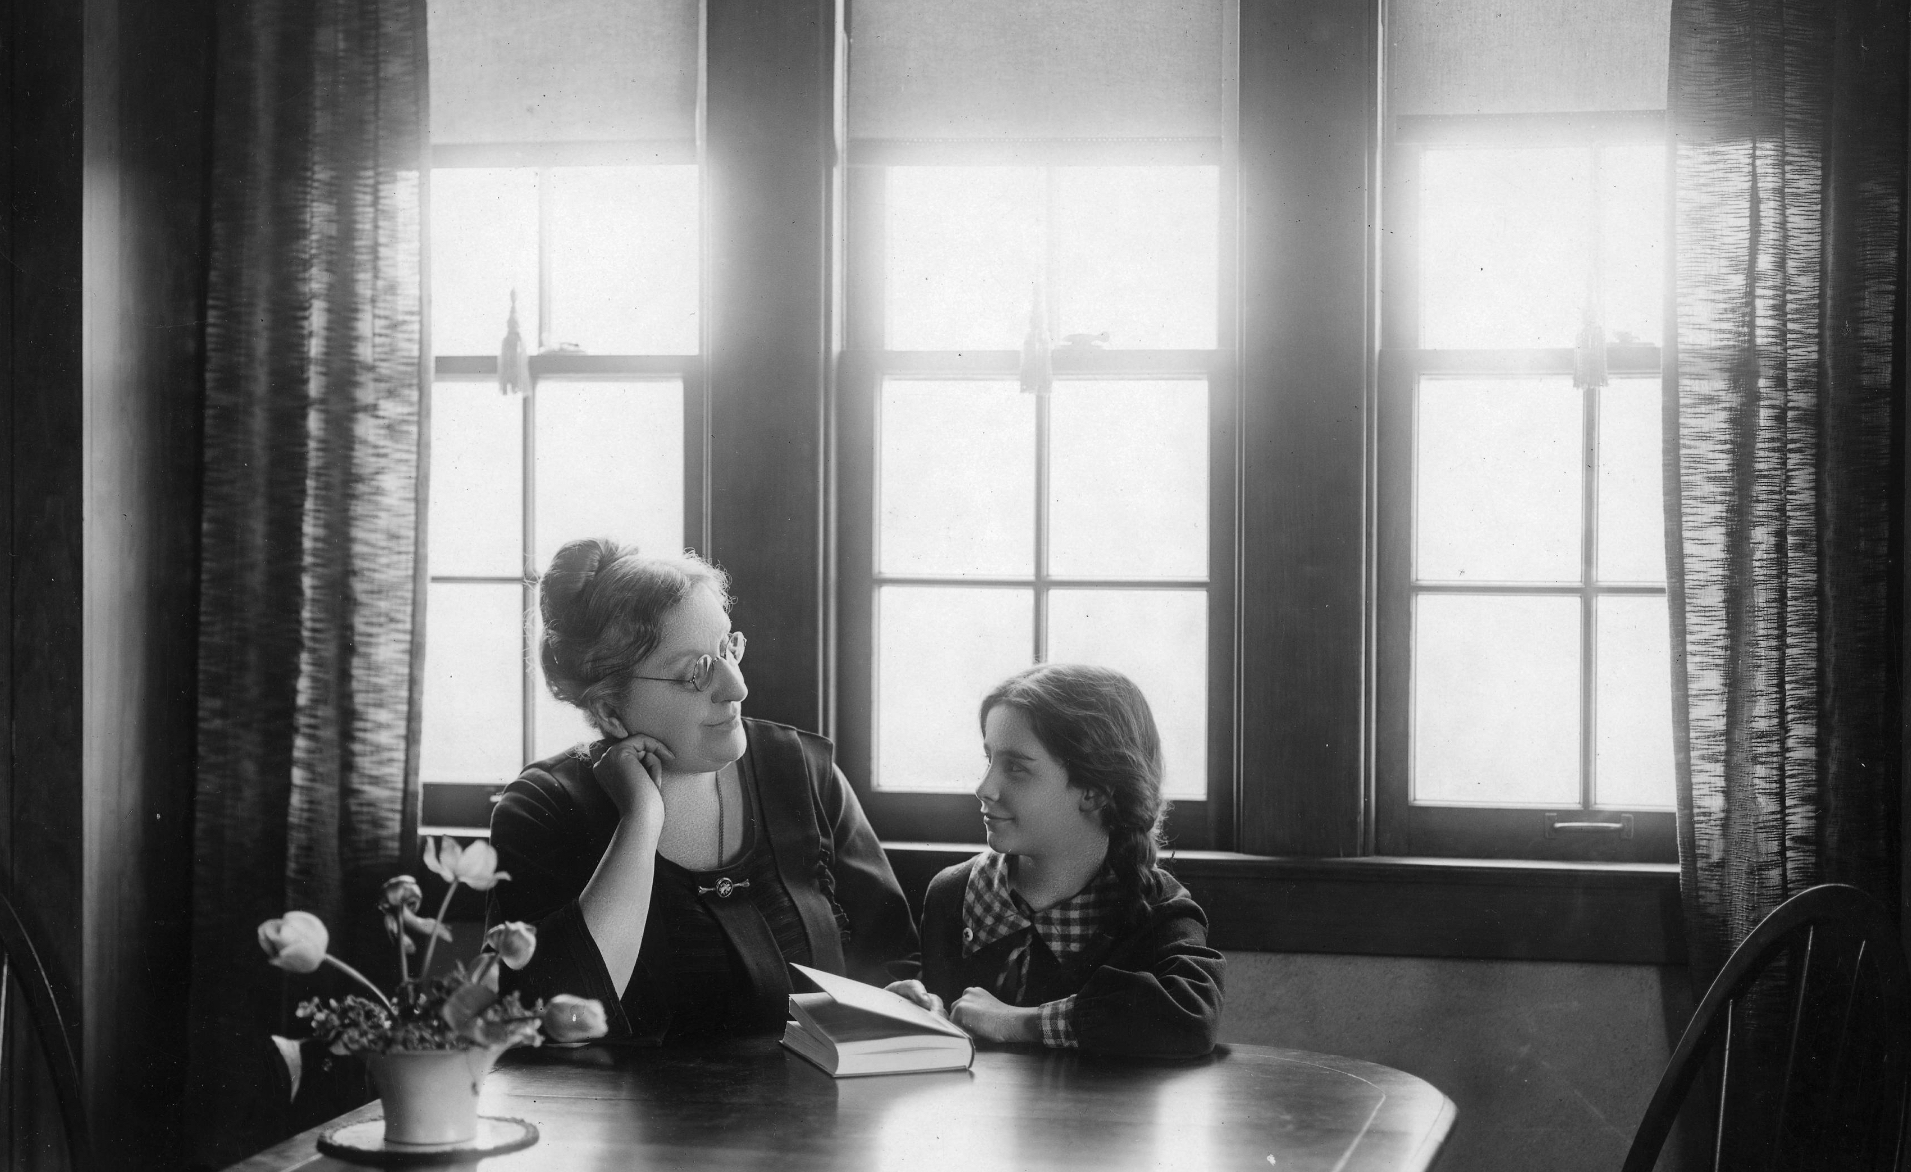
[(430, 1096)]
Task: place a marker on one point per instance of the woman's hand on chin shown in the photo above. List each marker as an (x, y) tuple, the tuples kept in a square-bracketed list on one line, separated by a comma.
[(632, 773), (979, 1012)]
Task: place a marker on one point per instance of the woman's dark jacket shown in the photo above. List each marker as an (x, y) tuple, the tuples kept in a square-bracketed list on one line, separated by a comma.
[(814, 887), (1148, 984)]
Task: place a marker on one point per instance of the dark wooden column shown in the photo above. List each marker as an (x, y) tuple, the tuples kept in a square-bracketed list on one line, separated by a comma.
[(42, 832), (147, 73), (1308, 94), (771, 210)]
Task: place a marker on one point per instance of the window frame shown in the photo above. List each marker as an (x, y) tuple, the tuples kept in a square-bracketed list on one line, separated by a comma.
[(1402, 827), (463, 807), (1303, 385), (864, 365)]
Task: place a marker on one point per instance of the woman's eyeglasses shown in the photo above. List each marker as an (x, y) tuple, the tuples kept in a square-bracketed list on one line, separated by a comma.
[(705, 669)]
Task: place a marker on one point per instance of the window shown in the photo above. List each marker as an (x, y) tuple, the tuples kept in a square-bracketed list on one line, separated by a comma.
[(1285, 536), (1524, 691), (986, 527), (593, 245)]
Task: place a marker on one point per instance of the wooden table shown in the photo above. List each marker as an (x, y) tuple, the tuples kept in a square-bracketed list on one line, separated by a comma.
[(749, 1104)]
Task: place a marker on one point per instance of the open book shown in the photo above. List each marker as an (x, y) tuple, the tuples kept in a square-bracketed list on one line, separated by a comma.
[(851, 1028)]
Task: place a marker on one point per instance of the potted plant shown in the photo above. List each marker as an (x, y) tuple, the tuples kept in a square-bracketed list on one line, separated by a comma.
[(430, 1044)]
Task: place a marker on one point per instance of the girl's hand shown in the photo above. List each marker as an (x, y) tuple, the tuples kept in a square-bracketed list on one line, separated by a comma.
[(632, 773), (915, 991), (978, 1012)]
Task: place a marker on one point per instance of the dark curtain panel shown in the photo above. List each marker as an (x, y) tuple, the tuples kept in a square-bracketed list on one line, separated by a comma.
[(1785, 395), (1785, 399), (310, 522)]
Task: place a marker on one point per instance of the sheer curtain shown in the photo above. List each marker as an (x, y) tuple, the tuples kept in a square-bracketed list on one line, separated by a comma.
[(1785, 396), (310, 513)]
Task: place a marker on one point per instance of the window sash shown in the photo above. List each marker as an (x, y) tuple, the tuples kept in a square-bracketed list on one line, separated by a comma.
[(865, 364), (601, 368), (462, 805), (1402, 825)]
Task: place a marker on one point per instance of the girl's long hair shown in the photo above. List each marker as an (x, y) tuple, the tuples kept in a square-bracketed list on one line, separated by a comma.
[(1096, 722)]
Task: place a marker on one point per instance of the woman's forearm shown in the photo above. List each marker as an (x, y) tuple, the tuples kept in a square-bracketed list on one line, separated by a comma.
[(616, 902)]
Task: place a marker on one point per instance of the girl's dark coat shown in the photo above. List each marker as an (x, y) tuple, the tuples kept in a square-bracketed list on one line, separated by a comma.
[(1149, 986)]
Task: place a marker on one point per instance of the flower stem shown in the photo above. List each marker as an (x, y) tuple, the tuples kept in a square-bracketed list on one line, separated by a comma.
[(353, 973), (404, 971), (424, 970)]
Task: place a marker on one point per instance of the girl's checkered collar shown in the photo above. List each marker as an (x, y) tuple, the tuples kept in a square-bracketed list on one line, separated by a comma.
[(991, 909)]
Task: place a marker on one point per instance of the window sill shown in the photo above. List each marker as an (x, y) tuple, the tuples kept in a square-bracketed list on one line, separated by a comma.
[(1486, 909)]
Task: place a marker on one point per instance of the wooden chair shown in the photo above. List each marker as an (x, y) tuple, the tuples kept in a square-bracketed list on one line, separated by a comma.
[(21, 961), (1832, 1093)]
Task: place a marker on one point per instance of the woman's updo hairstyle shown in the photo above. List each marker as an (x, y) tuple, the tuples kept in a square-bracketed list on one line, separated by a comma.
[(603, 606), (1096, 722)]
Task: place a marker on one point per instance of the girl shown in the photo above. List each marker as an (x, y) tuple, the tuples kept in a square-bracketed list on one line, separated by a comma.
[(1065, 932)]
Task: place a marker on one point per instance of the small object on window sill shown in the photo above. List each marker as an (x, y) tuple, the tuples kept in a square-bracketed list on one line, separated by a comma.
[(1086, 341), (1038, 371), (514, 360), (1589, 356), (563, 348)]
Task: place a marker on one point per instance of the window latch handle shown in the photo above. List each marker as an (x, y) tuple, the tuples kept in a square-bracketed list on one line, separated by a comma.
[(1623, 827)]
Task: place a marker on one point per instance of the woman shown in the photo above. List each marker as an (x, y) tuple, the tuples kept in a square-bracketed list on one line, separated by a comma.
[(1065, 933), (675, 866)]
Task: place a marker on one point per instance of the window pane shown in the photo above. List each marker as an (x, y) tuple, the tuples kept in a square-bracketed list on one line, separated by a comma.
[(1631, 482), (1159, 639), (1496, 700), (477, 480), (1503, 247), (938, 652), (471, 728), (483, 246), (609, 464), (1135, 252), (1128, 479), (966, 246), (1634, 697), (558, 725), (1631, 229), (956, 479), (1498, 480), (624, 259)]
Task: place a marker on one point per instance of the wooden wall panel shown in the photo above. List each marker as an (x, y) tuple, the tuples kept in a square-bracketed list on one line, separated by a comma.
[(1307, 120), (1607, 913), (771, 210)]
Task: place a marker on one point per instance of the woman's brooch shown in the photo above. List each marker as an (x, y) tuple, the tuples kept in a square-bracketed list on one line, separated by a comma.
[(724, 888)]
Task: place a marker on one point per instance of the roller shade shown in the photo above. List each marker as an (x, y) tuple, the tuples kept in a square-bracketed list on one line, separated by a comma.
[(990, 69), (532, 71), (1527, 56)]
